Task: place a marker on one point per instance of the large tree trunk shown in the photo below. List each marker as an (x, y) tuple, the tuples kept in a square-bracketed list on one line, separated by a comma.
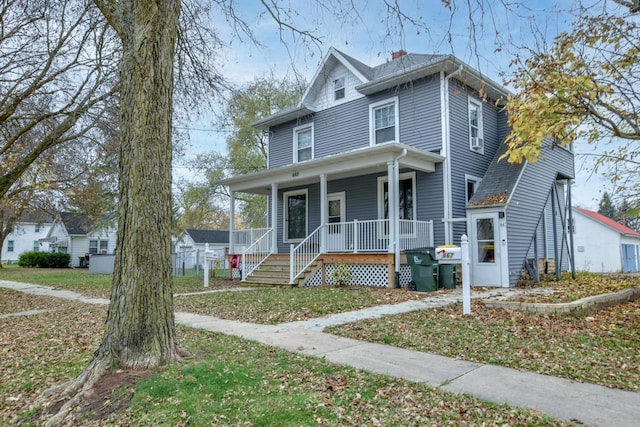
[(140, 322)]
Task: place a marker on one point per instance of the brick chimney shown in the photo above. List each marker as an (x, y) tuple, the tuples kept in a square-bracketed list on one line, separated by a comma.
[(398, 53)]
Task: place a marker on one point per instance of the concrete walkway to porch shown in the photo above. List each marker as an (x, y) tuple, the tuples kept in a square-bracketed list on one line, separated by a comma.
[(561, 398)]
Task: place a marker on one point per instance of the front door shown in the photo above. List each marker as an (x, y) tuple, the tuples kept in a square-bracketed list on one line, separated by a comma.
[(486, 250), (295, 215), (336, 236)]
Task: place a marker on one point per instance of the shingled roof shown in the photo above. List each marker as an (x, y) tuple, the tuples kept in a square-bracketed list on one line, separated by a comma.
[(208, 236), (76, 224), (498, 183)]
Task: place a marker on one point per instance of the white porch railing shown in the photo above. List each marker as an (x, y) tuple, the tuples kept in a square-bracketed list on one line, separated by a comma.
[(242, 239), (415, 234), (355, 237), (256, 253)]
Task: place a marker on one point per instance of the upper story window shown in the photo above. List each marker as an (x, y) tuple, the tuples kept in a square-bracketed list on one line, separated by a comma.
[(384, 121), (98, 246), (476, 141), (338, 89), (303, 143), (37, 230)]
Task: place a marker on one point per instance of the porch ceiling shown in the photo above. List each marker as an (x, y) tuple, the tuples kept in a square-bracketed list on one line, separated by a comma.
[(342, 165)]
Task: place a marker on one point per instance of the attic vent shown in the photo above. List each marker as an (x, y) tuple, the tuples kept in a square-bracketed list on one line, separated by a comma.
[(398, 53)]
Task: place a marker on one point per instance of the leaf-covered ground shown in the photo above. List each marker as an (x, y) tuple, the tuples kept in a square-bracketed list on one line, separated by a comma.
[(226, 382), (584, 285), (602, 347), (279, 305)]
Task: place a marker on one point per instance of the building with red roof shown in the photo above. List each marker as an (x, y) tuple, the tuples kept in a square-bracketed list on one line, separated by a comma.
[(603, 245)]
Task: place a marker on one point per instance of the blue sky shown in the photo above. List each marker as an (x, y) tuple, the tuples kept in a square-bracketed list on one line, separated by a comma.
[(371, 36)]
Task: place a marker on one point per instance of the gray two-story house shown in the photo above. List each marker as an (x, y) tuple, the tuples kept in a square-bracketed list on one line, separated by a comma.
[(376, 160)]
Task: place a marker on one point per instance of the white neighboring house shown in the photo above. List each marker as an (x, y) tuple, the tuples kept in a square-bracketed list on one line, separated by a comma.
[(603, 245), (26, 236), (81, 237), (190, 247)]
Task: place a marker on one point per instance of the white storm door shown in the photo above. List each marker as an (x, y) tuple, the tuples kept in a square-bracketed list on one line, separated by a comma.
[(485, 250), (336, 233)]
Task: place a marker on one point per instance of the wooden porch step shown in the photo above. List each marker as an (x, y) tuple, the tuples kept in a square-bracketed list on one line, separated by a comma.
[(273, 271)]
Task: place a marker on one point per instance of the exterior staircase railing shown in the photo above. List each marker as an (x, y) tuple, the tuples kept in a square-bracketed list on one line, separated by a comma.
[(257, 252), (355, 237)]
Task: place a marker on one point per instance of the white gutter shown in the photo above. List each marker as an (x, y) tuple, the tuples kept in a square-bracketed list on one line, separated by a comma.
[(446, 143), (396, 204)]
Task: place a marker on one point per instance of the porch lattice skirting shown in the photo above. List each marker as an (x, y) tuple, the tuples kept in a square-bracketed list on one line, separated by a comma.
[(361, 275), (375, 275)]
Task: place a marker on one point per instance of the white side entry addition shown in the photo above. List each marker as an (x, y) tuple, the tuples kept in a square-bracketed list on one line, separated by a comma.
[(488, 250)]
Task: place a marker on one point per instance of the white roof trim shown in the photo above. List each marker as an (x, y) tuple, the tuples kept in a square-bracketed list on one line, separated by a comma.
[(361, 161), (332, 52)]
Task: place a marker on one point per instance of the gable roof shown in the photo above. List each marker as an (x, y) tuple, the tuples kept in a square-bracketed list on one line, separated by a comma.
[(75, 223), (36, 218), (80, 224), (608, 222), (498, 182), (208, 236), (393, 73)]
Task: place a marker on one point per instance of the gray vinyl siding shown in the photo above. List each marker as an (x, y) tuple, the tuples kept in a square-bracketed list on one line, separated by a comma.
[(465, 161), (345, 127), (528, 201), (420, 114), (430, 204)]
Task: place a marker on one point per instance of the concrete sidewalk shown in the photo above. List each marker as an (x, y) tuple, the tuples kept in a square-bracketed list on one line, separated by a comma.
[(561, 398)]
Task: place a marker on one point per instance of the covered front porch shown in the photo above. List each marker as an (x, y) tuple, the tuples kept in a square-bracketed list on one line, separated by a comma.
[(308, 220)]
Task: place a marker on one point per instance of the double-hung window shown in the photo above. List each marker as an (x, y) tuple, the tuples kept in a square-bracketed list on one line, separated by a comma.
[(98, 246), (476, 141), (36, 246), (384, 121), (10, 245), (303, 143), (338, 89)]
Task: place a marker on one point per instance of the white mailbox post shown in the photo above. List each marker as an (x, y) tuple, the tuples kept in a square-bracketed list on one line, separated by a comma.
[(455, 255)]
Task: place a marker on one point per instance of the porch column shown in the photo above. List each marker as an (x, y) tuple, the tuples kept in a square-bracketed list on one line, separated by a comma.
[(396, 226), (324, 214), (392, 206), (274, 217), (232, 221)]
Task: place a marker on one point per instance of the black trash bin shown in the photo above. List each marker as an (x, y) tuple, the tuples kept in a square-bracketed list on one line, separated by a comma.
[(424, 269)]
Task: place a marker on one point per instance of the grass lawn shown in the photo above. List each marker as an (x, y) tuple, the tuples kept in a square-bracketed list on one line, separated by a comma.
[(98, 285), (602, 347), (226, 382)]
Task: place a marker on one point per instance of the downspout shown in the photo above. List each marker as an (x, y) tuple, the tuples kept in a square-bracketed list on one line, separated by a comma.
[(396, 204), (446, 165)]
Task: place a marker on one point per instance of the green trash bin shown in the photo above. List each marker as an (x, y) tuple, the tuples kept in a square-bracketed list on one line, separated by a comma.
[(447, 276), (424, 269)]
